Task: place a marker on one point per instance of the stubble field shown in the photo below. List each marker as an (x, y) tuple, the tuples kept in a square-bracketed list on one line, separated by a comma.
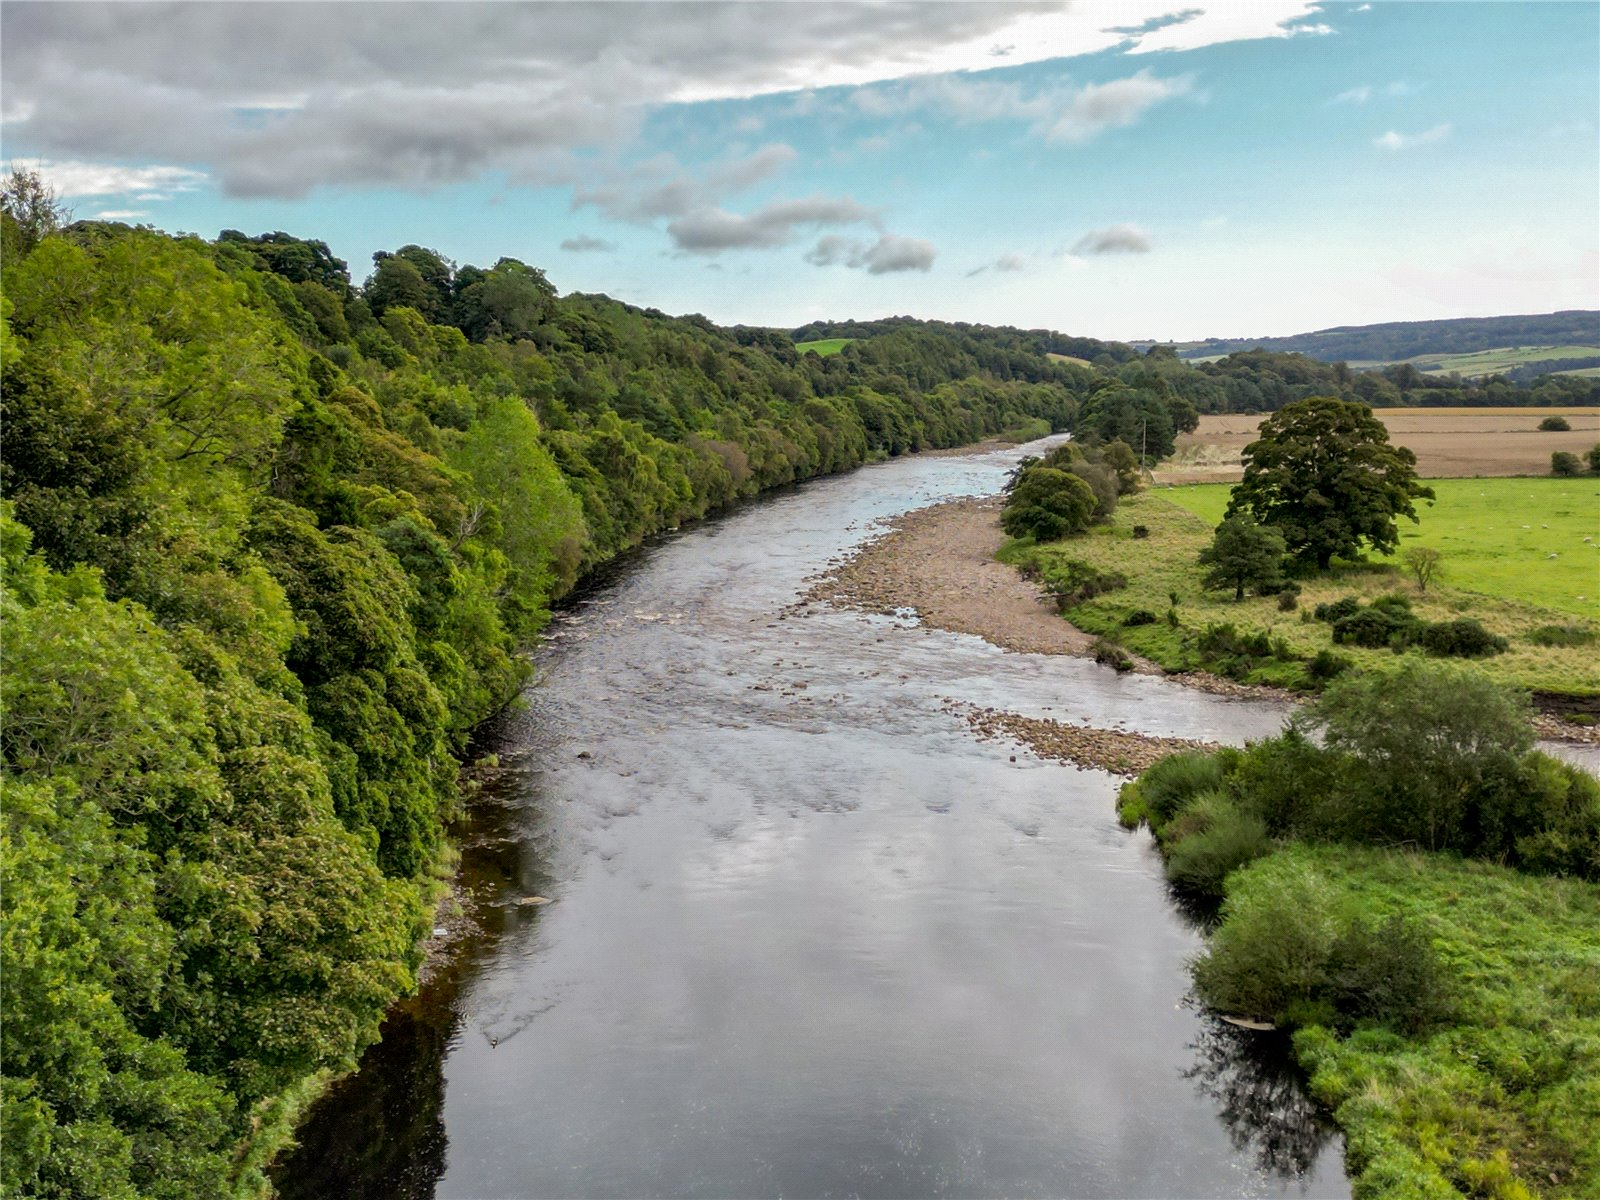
[(1448, 442)]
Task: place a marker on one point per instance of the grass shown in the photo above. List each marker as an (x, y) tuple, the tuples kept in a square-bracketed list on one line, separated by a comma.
[(1485, 362), (825, 346), (1503, 1099), (1164, 563), (1496, 535)]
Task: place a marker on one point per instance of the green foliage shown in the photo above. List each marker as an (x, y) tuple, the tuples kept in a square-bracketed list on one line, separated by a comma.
[(1565, 463), (1047, 504), (1490, 1092), (1324, 475), (1243, 554), (1555, 424), (1562, 635), (1464, 637), (1210, 837)]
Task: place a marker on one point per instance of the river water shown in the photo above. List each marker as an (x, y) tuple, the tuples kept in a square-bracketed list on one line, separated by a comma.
[(806, 935)]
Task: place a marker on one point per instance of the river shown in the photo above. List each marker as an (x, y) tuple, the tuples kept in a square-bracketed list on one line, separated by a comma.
[(806, 935)]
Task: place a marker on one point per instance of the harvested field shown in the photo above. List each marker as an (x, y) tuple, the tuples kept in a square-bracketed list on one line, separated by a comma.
[(1448, 442)]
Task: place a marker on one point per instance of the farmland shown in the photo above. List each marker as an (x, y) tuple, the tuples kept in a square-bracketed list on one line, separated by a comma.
[(1448, 442), (824, 347), (1490, 362)]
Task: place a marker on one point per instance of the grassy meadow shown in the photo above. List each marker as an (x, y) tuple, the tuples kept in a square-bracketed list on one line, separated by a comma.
[(1163, 564), (824, 347), (1503, 1100), (1486, 362), (1516, 539)]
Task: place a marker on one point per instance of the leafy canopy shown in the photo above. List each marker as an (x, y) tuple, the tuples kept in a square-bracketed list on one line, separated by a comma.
[(1325, 476)]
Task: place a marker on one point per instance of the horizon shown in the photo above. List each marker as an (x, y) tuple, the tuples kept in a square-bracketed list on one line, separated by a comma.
[(1152, 172)]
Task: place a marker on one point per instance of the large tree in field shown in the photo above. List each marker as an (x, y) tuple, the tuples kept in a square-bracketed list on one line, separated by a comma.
[(1324, 475)]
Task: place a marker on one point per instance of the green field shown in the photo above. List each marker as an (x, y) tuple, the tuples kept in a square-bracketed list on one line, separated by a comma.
[(1488, 362), (1497, 536), (824, 347), (1494, 572)]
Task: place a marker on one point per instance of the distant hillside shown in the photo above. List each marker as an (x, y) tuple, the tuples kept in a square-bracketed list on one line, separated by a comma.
[(1398, 340)]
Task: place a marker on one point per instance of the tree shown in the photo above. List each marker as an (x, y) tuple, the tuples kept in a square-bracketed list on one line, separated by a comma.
[(1592, 456), (1325, 476), (1422, 563), (1243, 554), (28, 211), (1554, 424), (1564, 462), (1048, 504)]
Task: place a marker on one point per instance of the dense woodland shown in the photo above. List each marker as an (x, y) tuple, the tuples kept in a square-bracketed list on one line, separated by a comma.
[(273, 543)]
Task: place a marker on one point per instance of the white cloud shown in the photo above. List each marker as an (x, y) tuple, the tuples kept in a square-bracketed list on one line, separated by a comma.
[(890, 253), (1116, 239), (1355, 95), (119, 214), (1394, 140), (108, 179), (584, 244), (1102, 106), (713, 230), (1216, 23)]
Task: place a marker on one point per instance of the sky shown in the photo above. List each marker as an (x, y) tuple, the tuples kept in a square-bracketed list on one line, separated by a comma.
[(1127, 169)]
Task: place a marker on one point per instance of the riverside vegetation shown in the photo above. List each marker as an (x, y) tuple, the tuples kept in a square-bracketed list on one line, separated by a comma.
[(272, 543)]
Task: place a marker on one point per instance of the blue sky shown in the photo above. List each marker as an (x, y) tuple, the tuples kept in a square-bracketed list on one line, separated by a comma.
[(1120, 170)]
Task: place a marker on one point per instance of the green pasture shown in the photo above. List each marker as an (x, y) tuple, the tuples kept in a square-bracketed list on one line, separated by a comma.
[(1485, 362), (1162, 564), (825, 346), (1519, 539)]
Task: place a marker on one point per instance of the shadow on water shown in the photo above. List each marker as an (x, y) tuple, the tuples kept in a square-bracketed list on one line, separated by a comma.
[(1260, 1095)]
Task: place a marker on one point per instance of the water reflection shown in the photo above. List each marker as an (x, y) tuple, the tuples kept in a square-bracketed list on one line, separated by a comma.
[(1259, 1091)]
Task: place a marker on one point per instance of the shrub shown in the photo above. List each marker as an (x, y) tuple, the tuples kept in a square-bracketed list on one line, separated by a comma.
[(1335, 610), (1564, 462), (1071, 582), (1555, 424), (1288, 601), (1109, 654), (1561, 635), (1461, 638), (1168, 785), (1327, 665), (1210, 837), (1386, 973), (1139, 616), (1141, 531), (1376, 627), (1592, 457)]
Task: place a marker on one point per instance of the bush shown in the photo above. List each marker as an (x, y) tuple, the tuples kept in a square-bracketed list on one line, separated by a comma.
[(1376, 627), (1561, 635), (1109, 654), (1592, 457), (1071, 582), (1555, 424), (1288, 601), (1461, 638), (1287, 952), (1563, 462), (1139, 616), (1168, 785), (1210, 837), (1141, 531), (1327, 665), (1343, 607)]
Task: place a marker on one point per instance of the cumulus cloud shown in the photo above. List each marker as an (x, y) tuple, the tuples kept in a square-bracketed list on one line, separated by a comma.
[(1116, 239), (584, 244), (119, 214), (890, 253), (71, 178), (712, 230), (1394, 140), (1113, 105)]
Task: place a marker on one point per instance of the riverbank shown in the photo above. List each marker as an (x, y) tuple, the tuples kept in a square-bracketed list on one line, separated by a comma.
[(940, 563)]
